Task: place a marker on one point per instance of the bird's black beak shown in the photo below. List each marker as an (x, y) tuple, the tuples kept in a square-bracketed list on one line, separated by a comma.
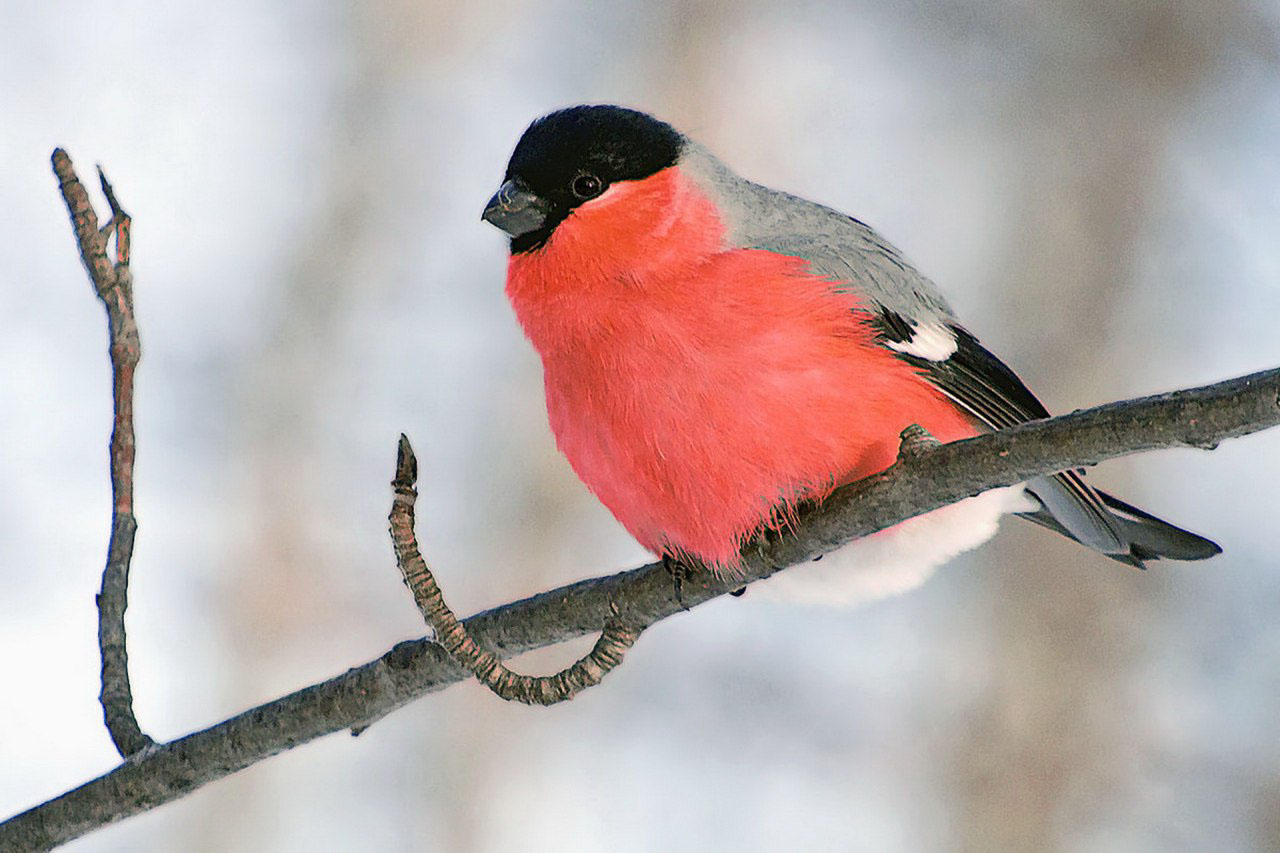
[(516, 209)]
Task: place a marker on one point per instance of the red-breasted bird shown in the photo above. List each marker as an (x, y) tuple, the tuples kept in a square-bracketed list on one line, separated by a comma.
[(715, 351)]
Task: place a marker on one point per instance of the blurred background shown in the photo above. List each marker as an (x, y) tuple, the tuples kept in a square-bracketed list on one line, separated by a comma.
[(1096, 185)]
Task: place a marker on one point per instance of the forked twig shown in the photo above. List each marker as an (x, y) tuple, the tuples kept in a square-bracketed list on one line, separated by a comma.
[(114, 285)]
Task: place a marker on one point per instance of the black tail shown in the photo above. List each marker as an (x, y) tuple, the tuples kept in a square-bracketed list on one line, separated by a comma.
[(1148, 537)]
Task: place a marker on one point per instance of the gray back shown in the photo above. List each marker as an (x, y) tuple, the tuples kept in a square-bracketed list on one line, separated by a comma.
[(836, 246)]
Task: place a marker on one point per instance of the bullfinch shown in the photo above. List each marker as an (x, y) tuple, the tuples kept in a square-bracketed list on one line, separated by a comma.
[(715, 352)]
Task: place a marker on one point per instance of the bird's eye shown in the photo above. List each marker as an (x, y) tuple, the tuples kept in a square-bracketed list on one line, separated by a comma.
[(586, 186)]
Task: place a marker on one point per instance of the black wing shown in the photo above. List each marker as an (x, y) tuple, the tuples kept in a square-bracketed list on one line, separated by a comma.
[(981, 384)]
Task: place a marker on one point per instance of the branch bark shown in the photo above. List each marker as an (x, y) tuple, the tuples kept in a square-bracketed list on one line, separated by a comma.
[(921, 481)]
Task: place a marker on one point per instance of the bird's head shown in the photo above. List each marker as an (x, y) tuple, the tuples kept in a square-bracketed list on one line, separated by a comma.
[(574, 160)]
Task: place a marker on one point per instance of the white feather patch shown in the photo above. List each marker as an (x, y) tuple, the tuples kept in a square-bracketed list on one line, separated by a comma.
[(900, 558), (932, 341)]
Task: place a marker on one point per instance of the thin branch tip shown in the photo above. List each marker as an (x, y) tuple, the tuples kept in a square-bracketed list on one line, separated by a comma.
[(109, 192), (406, 465)]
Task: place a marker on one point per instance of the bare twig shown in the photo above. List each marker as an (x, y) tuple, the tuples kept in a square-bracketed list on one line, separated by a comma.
[(608, 651), (114, 285)]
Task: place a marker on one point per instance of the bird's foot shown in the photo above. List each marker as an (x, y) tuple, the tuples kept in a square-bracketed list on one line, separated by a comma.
[(678, 571)]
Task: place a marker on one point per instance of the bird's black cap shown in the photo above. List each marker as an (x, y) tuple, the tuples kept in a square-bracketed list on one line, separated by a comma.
[(571, 156)]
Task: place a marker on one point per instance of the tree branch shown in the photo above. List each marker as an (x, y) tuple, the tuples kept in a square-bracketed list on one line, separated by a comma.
[(923, 480), (114, 285)]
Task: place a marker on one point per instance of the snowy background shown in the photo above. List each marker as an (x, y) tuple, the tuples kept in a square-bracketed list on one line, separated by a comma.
[(1096, 185)]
